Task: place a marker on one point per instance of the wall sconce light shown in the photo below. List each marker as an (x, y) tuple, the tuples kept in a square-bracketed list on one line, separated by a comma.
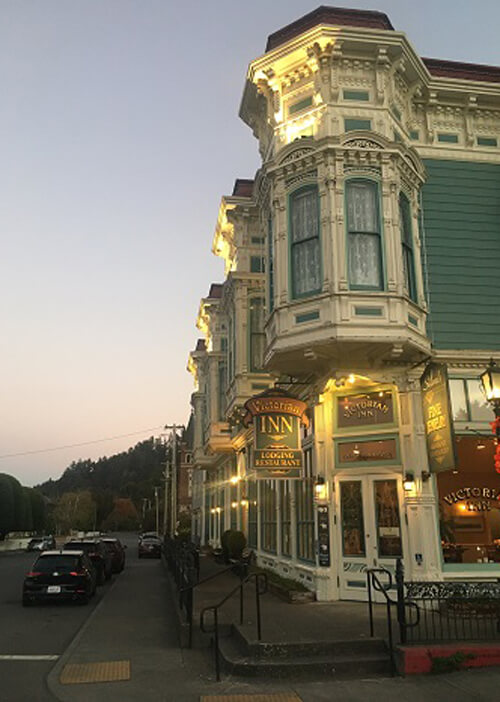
[(244, 501), (234, 479), (234, 505), (213, 510), (218, 510), (409, 482), (320, 488)]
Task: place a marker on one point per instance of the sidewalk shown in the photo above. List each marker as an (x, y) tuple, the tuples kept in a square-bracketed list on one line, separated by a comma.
[(134, 623)]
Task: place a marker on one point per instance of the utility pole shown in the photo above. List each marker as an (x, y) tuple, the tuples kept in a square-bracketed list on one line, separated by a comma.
[(166, 476), (157, 511), (172, 473)]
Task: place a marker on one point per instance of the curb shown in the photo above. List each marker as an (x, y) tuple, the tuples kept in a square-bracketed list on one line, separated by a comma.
[(52, 678)]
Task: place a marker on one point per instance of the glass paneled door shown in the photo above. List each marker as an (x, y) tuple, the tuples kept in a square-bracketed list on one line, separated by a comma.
[(370, 530)]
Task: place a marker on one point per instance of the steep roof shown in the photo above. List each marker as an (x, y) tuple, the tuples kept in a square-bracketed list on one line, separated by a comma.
[(243, 187), (464, 71), (338, 16), (215, 290), (372, 19)]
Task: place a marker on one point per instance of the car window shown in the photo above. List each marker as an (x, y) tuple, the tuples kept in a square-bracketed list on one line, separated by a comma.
[(80, 546), (49, 564)]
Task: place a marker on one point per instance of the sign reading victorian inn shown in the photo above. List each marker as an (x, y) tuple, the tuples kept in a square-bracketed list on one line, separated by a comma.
[(276, 418)]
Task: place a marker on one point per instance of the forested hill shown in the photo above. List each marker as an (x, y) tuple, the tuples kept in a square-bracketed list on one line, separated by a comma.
[(132, 473)]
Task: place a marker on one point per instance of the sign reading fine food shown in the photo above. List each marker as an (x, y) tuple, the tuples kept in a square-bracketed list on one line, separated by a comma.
[(437, 418), (276, 420)]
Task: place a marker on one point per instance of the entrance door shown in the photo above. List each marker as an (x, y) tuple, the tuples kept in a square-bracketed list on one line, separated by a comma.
[(370, 530)]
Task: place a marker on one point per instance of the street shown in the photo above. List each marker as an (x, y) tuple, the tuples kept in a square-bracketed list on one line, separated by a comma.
[(130, 621), (32, 639)]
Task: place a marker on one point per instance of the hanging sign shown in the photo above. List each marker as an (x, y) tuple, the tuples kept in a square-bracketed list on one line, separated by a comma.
[(276, 418), (438, 418)]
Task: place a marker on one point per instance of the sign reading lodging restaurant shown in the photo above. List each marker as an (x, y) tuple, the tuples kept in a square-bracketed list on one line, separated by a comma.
[(276, 418)]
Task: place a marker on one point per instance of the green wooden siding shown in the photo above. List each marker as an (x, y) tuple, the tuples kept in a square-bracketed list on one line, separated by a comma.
[(461, 219)]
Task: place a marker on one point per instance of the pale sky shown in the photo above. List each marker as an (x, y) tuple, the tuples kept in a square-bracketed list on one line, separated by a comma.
[(119, 135)]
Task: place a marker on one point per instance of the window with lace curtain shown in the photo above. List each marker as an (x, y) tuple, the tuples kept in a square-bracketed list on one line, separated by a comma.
[(364, 236), (304, 242)]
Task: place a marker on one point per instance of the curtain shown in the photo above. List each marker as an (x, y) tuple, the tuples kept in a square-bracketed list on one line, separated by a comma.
[(365, 258)]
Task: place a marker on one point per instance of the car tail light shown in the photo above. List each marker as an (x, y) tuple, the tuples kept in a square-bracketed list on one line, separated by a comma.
[(33, 574), (77, 572)]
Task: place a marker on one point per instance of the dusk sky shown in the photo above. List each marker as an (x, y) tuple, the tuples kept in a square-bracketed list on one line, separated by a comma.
[(120, 133)]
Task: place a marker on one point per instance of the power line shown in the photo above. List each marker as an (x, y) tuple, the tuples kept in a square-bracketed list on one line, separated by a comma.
[(83, 443)]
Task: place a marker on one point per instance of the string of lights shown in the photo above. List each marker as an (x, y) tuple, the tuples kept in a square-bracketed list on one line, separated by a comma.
[(82, 443)]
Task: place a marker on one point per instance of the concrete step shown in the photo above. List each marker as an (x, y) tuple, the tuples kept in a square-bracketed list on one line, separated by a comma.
[(302, 666), (264, 649)]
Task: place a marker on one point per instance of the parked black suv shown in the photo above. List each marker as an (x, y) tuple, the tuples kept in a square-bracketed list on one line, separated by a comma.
[(60, 575), (98, 554)]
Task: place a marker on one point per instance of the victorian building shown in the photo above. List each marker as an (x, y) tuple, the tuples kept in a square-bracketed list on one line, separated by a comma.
[(360, 277)]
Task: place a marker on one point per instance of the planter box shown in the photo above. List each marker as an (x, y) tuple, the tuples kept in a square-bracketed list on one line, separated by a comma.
[(292, 596)]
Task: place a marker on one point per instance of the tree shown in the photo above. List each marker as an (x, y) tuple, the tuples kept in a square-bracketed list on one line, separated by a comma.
[(27, 513), (38, 510), (124, 516), (75, 510), (6, 505)]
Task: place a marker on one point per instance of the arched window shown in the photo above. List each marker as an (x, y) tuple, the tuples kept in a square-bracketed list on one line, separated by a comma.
[(407, 247), (305, 253), (364, 236)]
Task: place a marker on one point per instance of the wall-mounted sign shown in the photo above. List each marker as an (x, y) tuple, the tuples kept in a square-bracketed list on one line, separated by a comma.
[(368, 451), (276, 418), (438, 418), (323, 537), (367, 409)]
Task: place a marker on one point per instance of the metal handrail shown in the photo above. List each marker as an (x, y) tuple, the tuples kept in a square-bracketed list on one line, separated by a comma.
[(186, 597), (215, 610), (374, 582)]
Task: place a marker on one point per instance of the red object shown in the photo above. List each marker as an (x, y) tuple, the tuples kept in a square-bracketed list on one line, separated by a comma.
[(418, 659)]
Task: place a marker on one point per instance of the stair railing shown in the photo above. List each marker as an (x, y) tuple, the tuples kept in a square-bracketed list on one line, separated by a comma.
[(186, 598), (259, 590), (375, 584)]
